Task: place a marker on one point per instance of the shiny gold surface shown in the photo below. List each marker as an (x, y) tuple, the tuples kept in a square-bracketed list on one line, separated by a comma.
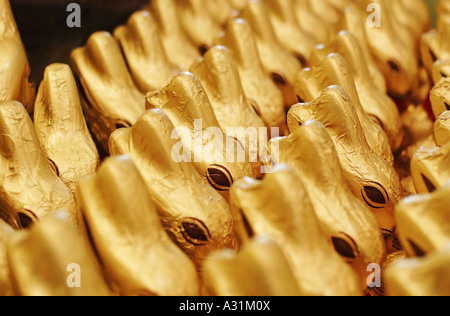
[(430, 168), (348, 224), (440, 97), (318, 29), (184, 201), (29, 188), (429, 276), (434, 45), (374, 101), (277, 61), (284, 22), (259, 88), (180, 50), (442, 129), (352, 20), (61, 244), (391, 260), (6, 233), (394, 48), (334, 70), (144, 53), (417, 216), (225, 271), (14, 67), (112, 100), (61, 127), (262, 207), (371, 178), (187, 105), (143, 260), (219, 76)]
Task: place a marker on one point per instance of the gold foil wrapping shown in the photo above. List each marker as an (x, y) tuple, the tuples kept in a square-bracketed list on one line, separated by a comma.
[(29, 188), (371, 178), (442, 129), (61, 127), (136, 253), (6, 286), (14, 67), (193, 213), (262, 207), (348, 224), (61, 245)]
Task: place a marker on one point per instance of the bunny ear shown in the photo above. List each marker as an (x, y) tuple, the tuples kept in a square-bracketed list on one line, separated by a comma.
[(106, 80), (288, 31), (61, 127), (277, 61), (29, 188), (429, 168), (198, 23), (60, 243), (180, 51), (374, 102), (260, 90), (334, 70), (220, 78), (225, 270), (134, 228), (417, 216), (270, 207), (184, 100), (14, 66), (146, 58)]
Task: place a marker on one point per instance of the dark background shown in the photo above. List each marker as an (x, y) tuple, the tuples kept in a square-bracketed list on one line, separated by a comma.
[(45, 34)]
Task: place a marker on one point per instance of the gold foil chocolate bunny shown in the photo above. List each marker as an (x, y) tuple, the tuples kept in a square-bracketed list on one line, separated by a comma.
[(348, 224), (52, 259), (61, 127), (145, 56), (423, 222), (352, 20), (198, 23), (371, 178), (374, 102), (180, 51), (272, 208), (284, 22), (143, 259), (277, 61), (185, 102), (434, 45), (14, 67), (195, 216), (318, 29), (6, 233), (440, 97), (219, 76), (260, 262), (428, 276), (393, 48), (258, 87), (442, 129), (334, 70), (430, 168), (112, 99), (29, 188)]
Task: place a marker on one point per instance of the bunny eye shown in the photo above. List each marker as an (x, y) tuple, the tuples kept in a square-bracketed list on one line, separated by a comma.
[(433, 56), (345, 246), (301, 59), (375, 196), (255, 107), (394, 66), (54, 166), (417, 250), (195, 232), (26, 218), (278, 79), (219, 178), (122, 124), (430, 186)]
